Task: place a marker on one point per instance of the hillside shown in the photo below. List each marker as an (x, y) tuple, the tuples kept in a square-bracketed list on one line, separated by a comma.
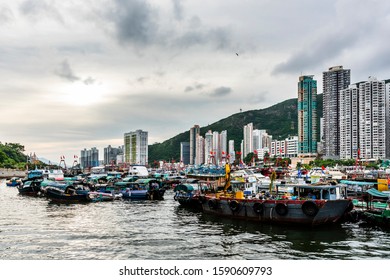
[(279, 120)]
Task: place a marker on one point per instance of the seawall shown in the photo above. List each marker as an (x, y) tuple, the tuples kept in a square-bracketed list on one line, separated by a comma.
[(6, 173)]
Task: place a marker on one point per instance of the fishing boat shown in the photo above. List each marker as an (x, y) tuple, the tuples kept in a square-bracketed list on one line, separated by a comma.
[(30, 187), (188, 193), (13, 182), (377, 217), (141, 189), (64, 192), (291, 204)]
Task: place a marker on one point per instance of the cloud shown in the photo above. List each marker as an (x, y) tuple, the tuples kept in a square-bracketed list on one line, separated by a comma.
[(6, 14), (196, 86), (345, 33), (89, 81), (134, 21), (37, 9), (66, 72), (220, 92), (177, 9)]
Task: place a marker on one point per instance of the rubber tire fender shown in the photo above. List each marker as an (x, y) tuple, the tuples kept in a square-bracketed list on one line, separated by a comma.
[(281, 209)]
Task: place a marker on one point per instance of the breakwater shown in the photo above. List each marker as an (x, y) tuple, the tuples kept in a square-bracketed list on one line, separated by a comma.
[(6, 173)]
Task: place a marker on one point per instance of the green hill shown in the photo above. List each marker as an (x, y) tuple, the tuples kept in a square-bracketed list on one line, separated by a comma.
[(280, 121)]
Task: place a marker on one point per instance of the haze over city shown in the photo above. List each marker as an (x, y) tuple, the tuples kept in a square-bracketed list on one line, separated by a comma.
[(80, 74)]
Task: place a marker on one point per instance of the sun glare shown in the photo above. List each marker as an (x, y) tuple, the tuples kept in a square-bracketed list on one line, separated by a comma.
[(80, 94)]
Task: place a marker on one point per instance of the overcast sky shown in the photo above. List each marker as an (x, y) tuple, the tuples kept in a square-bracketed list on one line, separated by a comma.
[(79, 74)]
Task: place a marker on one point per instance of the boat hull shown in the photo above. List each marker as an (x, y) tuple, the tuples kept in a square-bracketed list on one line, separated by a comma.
[(312, 213), (57, 195)]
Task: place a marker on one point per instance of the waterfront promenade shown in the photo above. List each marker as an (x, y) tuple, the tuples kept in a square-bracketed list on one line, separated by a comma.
[(6, 173)]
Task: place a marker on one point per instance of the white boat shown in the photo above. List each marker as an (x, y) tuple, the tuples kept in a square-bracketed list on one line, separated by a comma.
[(138, 170)]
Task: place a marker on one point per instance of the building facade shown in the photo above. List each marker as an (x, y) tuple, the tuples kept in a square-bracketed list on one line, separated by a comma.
[(363, 120), (136, 147), (185, 152), (248, 140), (307, 115), (111, 154), (89, 158), (194, 132), (334, 80)]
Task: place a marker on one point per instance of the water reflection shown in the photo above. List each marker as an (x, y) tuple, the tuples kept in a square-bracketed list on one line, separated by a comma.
[(34, 228)]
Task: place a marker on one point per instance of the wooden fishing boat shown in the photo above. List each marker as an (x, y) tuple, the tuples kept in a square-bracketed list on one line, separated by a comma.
[(31, 187), (64, 192), (377, 217), (13, 182), (292, 204), (141, 189)]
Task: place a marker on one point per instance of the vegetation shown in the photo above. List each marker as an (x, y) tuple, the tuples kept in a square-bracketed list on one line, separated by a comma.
[(11, 156), (280, 121)]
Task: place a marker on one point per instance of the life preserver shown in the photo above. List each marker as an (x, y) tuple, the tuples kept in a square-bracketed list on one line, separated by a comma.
[(258, 208), (213, 204), (234, 205), (310, 208), (281, 209)]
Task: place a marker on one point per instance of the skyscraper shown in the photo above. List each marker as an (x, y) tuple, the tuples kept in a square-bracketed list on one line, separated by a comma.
[(334, 80), (136, 147), (194, 131), (372, 120), (307, 115), (248, 139)]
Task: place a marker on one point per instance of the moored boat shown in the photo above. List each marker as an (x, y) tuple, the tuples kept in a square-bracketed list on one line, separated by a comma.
[(14, 182), (30, 187), (64, 192), (300, 204)]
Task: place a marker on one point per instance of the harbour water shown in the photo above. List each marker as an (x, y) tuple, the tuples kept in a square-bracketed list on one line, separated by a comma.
[(32, 228)]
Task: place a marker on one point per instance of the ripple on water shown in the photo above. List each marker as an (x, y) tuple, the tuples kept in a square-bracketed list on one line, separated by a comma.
[(34, 228)]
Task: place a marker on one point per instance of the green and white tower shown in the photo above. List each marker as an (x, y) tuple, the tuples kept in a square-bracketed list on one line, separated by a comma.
[(307, 116)]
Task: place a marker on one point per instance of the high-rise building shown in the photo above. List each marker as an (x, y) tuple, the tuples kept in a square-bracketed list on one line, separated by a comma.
[(334, 80), (208, 147), (349, 122), (387, 86), (136, 147), (200, 153), (372, 119), (185, 152), (223, 142), (232, 152), (194, 132), (89, 158), (307, 115), (363, 120), (110, 155), (248, 140)]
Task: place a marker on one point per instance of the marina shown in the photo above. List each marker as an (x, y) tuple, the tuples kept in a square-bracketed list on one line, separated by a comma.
[(35, 228)]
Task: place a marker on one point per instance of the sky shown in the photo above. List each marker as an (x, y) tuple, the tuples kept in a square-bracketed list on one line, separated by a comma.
[(79, 74)]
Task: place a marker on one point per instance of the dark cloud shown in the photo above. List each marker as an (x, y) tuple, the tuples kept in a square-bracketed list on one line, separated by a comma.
[(317, 54), (66, 72), (197, 86), (89, 81), (38, 9), (219, 37), (344, 34), (134, 20), (177, 9), (221, 91)]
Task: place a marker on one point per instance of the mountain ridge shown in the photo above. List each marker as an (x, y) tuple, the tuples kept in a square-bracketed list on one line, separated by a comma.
[(279, 120)]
